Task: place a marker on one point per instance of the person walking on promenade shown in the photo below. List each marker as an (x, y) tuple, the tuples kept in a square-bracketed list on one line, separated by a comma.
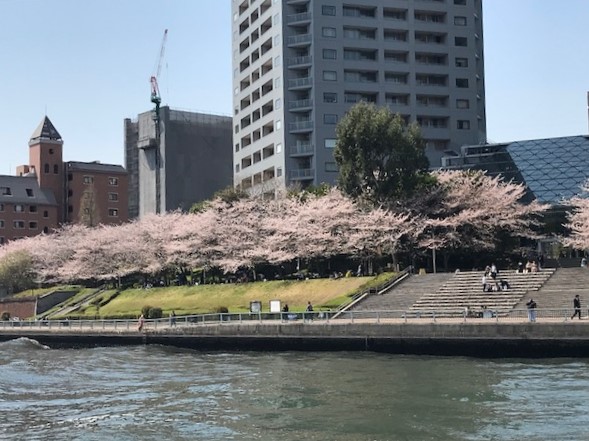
[(531, 310), (309, 309), (172, 319), (140, 323), (577, 306)]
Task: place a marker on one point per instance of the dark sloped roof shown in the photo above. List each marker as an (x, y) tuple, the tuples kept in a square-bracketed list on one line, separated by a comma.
[(553, 169), (19, 185), (95, 167), (46, 130)]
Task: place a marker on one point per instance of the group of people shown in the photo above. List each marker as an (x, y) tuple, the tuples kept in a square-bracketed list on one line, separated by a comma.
[(531, 266), (490, 282)]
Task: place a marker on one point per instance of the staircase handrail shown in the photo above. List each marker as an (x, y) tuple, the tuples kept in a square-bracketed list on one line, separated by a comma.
[(380, 289)]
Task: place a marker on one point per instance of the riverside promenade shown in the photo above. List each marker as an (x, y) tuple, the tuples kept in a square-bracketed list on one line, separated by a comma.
[(494, 337)]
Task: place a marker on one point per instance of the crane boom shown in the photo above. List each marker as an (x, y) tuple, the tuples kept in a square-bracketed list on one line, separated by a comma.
[(155, 91)]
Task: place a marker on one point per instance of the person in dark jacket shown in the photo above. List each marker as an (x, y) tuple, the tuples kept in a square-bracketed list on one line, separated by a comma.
[(577, 306), (531, 310)]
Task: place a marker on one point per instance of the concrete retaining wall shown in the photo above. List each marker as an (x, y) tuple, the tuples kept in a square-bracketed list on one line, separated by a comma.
[(479, 340)]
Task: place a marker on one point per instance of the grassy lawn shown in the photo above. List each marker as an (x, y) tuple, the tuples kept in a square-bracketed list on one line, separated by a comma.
[(322, 293)]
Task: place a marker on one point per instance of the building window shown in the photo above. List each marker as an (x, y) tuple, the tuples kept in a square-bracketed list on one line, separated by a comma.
[(330, 143), (113, 212), (462, 104), (46, 168), (1, 240), (460, 2), (33, 225), (45, 230), (328, 10), (32, 208), (70, 177), (462, 83), (5, 191), (45, 213), (30, 192), (329, 54), (278, 148), (1, 207), (277, 103), (88, 179), (393, 77), (1, 223), (328, 32), (329, 97), (329, 118), (70, 208), (461, 62), (463, 124), (329, 75), (113, 196), (18, 208), (277, 61), (460, 41), (70, 193), (278, 172), (236, 168), (56, 169), (113, 181), (460, 21), (278, 124), (331, 167), (18, 224)]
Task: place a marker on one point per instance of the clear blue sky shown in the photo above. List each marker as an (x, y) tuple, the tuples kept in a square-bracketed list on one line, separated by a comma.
[(87, 64)]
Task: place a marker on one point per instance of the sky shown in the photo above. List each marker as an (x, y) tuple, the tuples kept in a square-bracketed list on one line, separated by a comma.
[(86, 64)]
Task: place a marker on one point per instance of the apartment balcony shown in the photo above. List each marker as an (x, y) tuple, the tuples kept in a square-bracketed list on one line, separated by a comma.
[(300, 40), (296, 62), (302, 18), (302, 149), (300, 105), (302, 174), (297, 2), (300, 127), (300, 83)]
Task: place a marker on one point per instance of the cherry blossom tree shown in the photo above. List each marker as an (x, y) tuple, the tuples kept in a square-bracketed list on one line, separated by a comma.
[(470, 210), (578, 221)]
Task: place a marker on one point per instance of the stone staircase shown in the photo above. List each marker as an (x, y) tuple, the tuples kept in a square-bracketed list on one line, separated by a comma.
[(464, 290), (405, 294), (558, 292)]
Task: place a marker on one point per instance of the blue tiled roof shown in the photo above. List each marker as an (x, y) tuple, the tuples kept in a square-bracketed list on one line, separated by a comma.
[(553, 169)]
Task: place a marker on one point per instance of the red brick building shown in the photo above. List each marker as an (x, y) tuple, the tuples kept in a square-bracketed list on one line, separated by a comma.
[(48, 192)]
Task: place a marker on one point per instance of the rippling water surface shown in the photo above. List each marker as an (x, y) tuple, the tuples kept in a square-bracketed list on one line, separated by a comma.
[(154, 393)]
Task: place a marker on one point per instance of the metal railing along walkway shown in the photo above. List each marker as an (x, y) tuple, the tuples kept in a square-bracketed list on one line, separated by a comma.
[(307, 318)]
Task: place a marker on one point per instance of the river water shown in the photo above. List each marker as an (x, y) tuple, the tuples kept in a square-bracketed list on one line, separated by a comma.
[(155, 393)]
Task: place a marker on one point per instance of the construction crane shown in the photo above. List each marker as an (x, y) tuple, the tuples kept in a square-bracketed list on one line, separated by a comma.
[(157, 100), (155, 90)]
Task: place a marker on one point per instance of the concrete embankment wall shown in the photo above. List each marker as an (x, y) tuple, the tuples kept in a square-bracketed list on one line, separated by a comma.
[(479, 340)]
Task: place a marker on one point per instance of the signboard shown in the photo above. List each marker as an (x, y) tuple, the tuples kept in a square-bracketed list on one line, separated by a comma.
[(275, 306)]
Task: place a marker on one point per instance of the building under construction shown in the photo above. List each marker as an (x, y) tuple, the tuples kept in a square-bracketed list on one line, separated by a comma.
[(186, 162)]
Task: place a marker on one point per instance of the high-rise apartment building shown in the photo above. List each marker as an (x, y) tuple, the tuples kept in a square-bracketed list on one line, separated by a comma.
[(300, 64)]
